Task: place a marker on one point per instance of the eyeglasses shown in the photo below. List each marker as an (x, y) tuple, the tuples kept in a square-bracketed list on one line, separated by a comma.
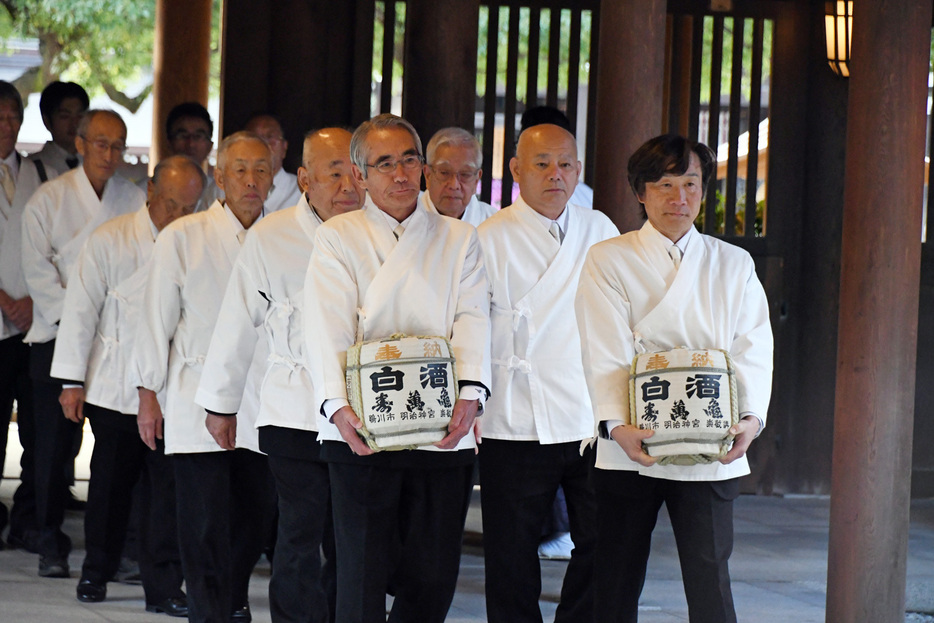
[(103, 146), (196, 137), (387, 167), (464, 177)]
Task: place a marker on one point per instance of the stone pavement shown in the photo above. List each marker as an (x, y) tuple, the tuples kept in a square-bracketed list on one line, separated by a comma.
[(779, 570)]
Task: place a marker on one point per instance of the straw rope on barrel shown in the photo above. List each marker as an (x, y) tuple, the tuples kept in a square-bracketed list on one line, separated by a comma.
[(688, 398), (403, 389)]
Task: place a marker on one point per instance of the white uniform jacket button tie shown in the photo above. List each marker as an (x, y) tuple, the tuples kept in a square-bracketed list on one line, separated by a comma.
[(519, 364), (278, 360)]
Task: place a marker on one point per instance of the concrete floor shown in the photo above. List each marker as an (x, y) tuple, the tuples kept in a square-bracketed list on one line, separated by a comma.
[(779, 570)]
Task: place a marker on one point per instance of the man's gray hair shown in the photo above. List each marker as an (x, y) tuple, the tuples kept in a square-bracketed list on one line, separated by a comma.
[(177, 163), (358, 147), (454, 137), (233, 139), (89, 115)]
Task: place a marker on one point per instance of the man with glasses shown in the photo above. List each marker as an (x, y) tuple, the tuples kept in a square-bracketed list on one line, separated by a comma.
[(62, 104), (57, 220), (190, 131), (285, 192), (451, 175), (395, 268)]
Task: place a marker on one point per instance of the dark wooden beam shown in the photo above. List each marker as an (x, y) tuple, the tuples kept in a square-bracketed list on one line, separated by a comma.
[(440, 77), (879, 283), (629, 99)]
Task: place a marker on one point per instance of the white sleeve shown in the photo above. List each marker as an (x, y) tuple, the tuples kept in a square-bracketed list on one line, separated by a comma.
[(330, 316), (84, 300), (234, 339), (160, 315), (603, 317), (42, 278), (752, 350), (470, 333)]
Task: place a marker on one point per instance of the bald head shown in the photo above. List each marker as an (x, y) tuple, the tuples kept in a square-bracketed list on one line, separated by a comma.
[(326, 177), (174, 189), (546, 168)]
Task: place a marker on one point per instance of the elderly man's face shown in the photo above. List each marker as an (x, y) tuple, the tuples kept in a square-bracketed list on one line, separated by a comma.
[(176, 195), (327, 179), (245, 179), (394, 192), (191, 136), (673, 202), (10, 123), (270, 131), (452, 178), (546, 168), (63, 123), (102, 147)]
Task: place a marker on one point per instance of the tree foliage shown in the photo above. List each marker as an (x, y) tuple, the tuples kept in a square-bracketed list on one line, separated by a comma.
[(104, 45)]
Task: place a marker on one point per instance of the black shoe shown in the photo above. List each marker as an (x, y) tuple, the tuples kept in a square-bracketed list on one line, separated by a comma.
[(173, 606), (241, 615), (28, 541), (128, 572), (52, 567), (91, 592)]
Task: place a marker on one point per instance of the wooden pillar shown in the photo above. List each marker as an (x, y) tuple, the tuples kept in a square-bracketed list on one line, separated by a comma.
[(870, 489), (440, 75), (290, 58), (181, 63), (630, 80)]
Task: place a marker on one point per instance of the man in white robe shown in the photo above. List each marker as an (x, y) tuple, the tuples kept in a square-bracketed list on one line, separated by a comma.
[(265, 291), (285, 192), (19, 179), (92, 352), (62, 105), (452, 170), (224, 499), (662, 287), (537, 416), (395, 268), (57, 220)]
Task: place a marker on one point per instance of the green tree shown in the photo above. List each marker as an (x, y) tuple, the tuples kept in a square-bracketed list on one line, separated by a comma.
[(104, 45)]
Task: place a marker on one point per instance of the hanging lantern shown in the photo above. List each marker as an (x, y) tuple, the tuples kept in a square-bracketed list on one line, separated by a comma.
[(838, 28)]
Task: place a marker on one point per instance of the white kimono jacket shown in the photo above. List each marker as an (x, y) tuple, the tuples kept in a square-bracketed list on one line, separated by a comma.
[(631, 298), (11, 234), (58, 219), (54, 158), (102, 311), (191, 264), (363, 285), (475, 213), (265, 292), (284, 193), (538, 388)]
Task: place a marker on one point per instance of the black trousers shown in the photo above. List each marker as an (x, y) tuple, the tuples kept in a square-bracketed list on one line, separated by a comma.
[(55, 438), (398, 526), (301, 588), (518, 482), (702, 521), (119, 462), (225, 506), (15, 384)]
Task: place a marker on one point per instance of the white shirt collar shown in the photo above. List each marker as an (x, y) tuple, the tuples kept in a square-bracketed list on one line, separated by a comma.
[(546, 222), (681, 244)]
